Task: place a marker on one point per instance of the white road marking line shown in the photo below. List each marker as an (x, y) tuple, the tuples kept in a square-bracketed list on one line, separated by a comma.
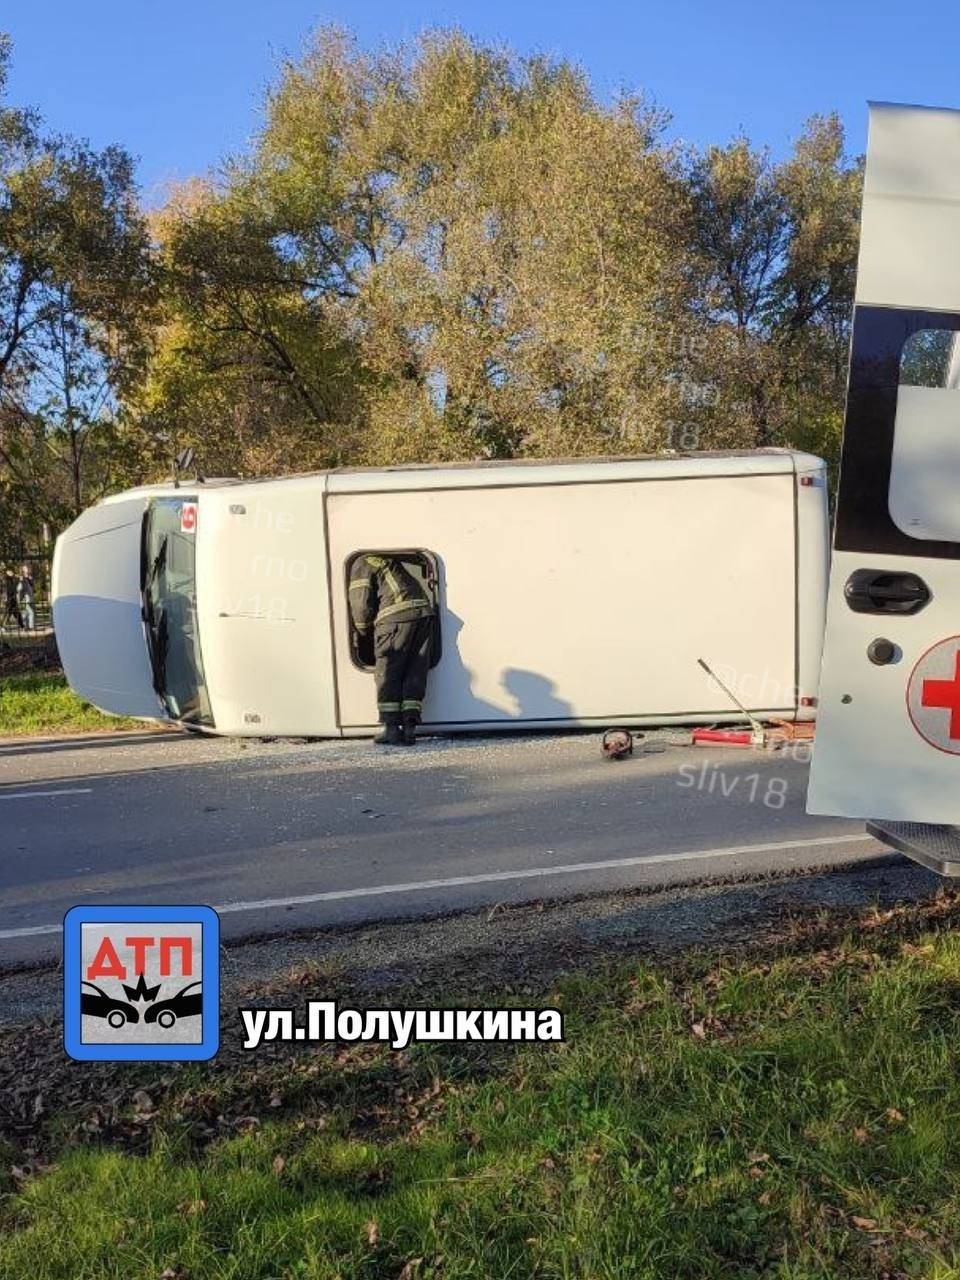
[(37, 795), (494, 877), (532, 873)]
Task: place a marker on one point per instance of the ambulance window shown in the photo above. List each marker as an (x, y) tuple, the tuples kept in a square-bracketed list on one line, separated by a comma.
[(930, 359), (424, 567), (925, 468)]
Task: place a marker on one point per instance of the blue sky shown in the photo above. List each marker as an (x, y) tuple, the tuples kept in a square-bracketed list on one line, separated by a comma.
[(180, 84)]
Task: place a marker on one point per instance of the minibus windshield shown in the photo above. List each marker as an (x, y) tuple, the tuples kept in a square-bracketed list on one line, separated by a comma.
[(169, 587)]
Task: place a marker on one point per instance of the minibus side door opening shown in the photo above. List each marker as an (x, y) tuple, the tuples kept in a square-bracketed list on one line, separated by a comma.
[(424, 566)]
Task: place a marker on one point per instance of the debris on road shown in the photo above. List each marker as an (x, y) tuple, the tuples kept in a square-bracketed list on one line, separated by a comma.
[(723, 738), (617, 744)]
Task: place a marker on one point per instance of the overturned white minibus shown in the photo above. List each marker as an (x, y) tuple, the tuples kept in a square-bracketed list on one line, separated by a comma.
[(888, 739), (569, 594)]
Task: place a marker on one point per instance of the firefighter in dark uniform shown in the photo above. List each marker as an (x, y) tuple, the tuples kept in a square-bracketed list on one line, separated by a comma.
[(387, 599)]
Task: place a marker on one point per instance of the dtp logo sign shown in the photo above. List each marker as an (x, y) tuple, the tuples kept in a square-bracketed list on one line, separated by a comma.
[(141, 983)]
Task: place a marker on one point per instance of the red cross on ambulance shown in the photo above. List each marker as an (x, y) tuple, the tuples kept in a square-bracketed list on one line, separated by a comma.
[(933, 696)]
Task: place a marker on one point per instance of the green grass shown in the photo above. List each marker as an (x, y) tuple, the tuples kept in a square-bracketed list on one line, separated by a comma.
[(797, 1119), (41, 702)]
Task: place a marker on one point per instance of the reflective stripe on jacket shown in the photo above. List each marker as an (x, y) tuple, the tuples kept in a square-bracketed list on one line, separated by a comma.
[(383, 590)]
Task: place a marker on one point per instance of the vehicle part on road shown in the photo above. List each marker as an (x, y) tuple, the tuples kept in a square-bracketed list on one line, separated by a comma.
[(617, 744), (786, 731)]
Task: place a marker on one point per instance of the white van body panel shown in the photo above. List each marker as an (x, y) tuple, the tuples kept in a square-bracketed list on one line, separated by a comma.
[(571, 593), (96, 609), (909, 248), (888, 743), (263, 600), (869, 761), (590, 602)]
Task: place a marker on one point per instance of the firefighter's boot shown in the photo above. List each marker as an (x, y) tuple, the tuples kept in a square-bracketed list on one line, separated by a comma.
[(410, 722), (391, 735)]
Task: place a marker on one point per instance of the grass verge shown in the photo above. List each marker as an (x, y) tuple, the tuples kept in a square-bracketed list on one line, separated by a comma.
[(789, 1114), (39, 702)]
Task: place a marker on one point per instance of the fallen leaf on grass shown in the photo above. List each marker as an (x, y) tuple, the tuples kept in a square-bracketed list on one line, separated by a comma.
[(913, 949), (373, 1232), (864, 1224), (410, 1269), (192, 1207), (279, 1164), (895, 1116)]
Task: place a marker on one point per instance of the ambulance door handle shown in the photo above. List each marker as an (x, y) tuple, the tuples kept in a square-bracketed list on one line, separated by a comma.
[(883, 591)]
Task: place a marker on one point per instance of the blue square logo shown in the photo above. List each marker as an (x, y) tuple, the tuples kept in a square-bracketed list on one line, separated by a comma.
[(141, 984)]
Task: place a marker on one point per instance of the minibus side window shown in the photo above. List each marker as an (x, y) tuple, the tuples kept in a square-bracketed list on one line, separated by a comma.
[(424, 566), (925, 467), (930, 359)]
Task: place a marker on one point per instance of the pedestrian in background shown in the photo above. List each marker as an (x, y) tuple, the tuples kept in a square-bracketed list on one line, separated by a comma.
[(25, 598), (11, 610)]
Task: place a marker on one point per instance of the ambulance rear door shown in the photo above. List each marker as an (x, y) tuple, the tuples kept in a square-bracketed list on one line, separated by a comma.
[(888, 734)]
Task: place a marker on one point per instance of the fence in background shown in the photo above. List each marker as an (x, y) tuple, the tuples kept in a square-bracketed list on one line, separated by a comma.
[(13, 619)]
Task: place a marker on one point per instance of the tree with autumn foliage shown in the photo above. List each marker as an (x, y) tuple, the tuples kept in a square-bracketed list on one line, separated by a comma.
[(442, 251), (75, 290)]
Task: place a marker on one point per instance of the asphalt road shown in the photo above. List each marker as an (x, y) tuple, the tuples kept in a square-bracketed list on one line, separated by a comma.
[(287, 835)]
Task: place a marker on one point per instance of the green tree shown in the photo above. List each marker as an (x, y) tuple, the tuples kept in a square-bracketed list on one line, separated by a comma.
[(775, 246), (247, 362), (74, 285), (446, 251), (441, 252)]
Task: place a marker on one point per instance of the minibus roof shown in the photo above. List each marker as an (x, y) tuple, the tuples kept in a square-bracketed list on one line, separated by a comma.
[(527, 471)]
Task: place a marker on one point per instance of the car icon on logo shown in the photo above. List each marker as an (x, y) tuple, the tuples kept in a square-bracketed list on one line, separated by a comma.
[(99, 1005), (166, 1012)]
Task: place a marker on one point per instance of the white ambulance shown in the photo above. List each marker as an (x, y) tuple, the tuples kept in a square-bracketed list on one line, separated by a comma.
[(888, 735)]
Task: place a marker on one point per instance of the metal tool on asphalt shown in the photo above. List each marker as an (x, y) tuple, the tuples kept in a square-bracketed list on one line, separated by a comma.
[(757, 736), (723, 738)]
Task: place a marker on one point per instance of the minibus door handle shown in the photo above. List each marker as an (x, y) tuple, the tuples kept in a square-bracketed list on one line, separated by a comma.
[(883, 591)]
